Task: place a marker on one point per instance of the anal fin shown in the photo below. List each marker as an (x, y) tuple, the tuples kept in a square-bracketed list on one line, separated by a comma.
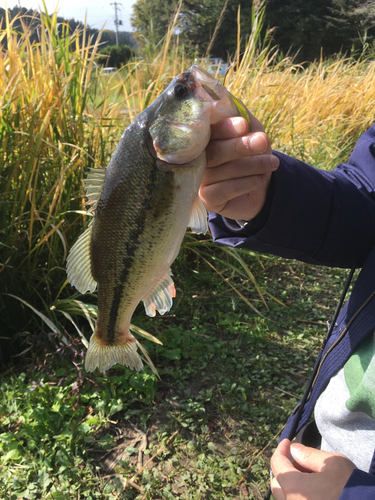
[(160, 297), (198, 218)]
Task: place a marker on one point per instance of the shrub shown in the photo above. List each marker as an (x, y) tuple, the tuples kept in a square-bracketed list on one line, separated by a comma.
[(115, 55)]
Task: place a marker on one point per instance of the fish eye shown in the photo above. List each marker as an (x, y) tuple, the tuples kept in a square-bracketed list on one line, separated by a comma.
[(180, 90)]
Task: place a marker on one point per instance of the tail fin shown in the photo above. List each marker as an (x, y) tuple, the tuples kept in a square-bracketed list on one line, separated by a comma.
[(104, 356)]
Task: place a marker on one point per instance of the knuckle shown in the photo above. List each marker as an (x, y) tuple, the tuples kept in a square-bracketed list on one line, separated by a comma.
[(214, 194), (210, 153), (240, 147), (220, 193), (215, 153)]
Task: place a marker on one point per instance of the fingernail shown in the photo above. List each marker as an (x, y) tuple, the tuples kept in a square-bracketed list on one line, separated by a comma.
[(258, 143), (296, 447), (274, 162), (239, 126)]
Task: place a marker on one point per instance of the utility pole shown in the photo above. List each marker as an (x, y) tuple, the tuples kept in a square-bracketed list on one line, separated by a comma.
[(118, 21)]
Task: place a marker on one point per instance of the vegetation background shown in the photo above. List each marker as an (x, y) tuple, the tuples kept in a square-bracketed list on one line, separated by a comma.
[(244, 330), (314, 28)]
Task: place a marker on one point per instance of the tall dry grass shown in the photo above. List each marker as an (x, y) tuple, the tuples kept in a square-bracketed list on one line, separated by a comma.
[(322, 108), (59, 117), (318, 109), (50, 130)]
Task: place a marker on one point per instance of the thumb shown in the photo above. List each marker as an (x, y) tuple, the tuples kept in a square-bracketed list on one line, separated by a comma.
[(309, 459)]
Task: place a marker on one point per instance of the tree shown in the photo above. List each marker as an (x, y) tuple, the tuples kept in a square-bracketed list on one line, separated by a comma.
[(367, 11), (151, 19), (115, 55), (31, 19), (200, 19), (349, 20), (310, 26), (298, 25), (197, 23), (307, 26)]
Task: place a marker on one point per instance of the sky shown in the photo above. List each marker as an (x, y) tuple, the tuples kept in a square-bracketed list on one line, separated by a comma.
[(98, 12)]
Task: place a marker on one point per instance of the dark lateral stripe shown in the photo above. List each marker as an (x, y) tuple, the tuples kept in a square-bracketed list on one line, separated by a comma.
[(131, 247), (130, 250)]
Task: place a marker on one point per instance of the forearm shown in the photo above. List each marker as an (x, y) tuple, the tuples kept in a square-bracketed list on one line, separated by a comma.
[(315, 216)]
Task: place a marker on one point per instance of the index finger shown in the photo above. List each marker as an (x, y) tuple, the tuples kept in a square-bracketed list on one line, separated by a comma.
[(280, 461), (229, 128), (236, 126), (285, 474), (219, 152)]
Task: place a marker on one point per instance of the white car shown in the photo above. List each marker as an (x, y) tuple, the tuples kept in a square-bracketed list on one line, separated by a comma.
[(108, 71), (215, 65)]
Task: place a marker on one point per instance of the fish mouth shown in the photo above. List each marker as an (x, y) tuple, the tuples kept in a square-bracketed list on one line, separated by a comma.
[(180, 139), (202, 83), (202, 75), (165, 166), (207, 86)]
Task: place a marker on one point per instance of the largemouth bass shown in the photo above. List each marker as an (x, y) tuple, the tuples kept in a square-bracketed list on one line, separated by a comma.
[(142, 203)]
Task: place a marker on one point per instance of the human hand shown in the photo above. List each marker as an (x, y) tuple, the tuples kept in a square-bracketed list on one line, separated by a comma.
[(315, 474), (239, 168)]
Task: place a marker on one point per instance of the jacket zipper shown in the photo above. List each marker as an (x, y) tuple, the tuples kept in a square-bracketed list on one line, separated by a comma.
[(338, 340)]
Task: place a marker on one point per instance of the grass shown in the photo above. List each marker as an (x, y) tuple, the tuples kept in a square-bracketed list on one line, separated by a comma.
[(58, 119), (234, 358), (228, 380)]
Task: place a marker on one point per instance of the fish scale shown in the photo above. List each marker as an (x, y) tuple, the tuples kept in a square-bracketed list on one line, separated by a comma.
[(142, 204)]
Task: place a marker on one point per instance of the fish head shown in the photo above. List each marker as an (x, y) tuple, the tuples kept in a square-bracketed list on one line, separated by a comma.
[(182, 116)]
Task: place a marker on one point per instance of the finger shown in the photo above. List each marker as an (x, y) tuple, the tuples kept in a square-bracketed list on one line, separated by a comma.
[(235, 127), (280, 461), (289, 478), (219, 152), (229, 128), (277, 492), (242, 167), (314, 460), (216, 196), (308, 458), (255, 125)]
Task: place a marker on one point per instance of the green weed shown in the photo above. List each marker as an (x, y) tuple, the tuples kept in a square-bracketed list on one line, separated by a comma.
[(242, 335), (228, 381)]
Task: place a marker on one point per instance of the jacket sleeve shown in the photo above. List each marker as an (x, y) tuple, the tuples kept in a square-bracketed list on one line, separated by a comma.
[(360, 485), (313, 215)]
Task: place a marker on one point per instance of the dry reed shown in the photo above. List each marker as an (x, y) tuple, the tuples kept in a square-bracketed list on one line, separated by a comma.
[(59, 116)]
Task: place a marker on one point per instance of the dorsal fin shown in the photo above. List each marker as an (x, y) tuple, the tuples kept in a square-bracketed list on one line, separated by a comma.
[(78, 263), (160, 297), (93, 184), (198, 217)]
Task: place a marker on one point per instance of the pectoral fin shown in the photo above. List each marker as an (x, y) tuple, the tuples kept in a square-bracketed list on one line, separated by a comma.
[(198, 217), (160, 297), (79, 263)]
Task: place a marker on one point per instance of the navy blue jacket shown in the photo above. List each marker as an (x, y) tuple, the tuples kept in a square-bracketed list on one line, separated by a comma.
[(323, 218)]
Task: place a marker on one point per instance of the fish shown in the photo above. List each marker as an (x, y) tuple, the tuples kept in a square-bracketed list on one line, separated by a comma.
[(142, 204)]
